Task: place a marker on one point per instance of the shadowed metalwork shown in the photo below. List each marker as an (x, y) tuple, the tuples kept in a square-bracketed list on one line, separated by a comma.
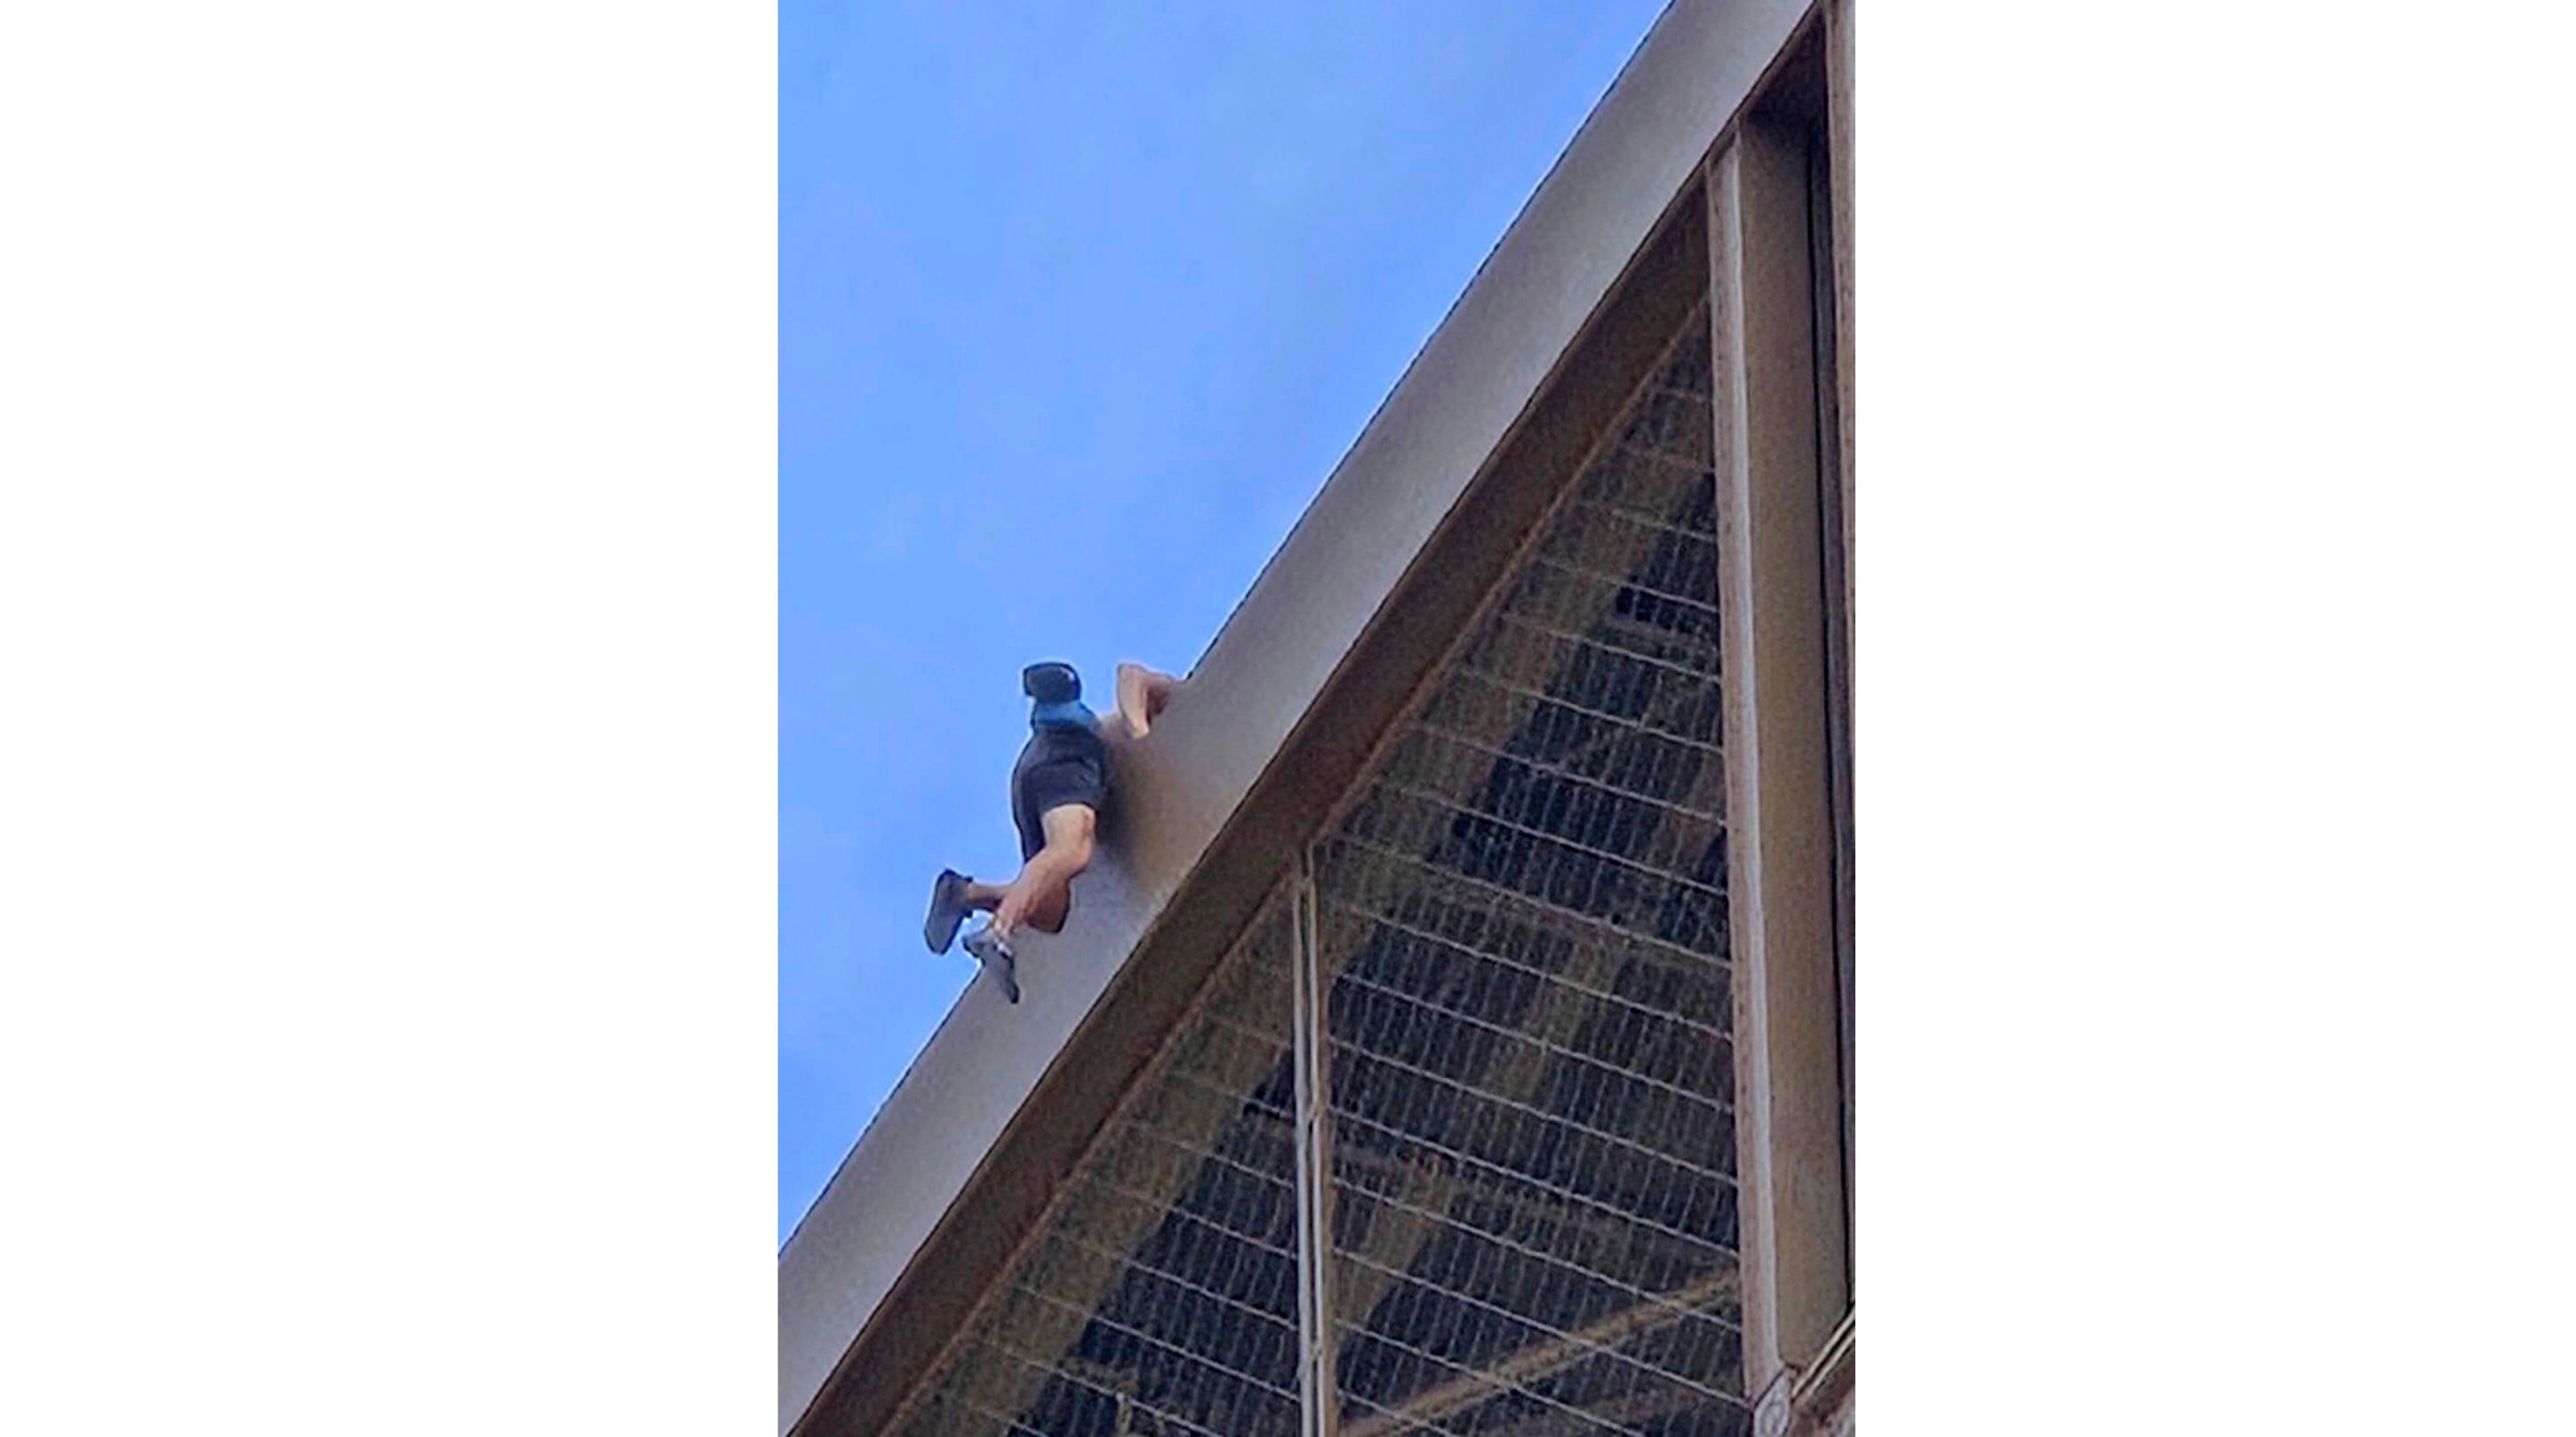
[(1523, 923), (1162, 1297), (1520, 924)]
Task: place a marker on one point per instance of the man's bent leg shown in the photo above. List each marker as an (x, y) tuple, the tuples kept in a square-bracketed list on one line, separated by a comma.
[(1042, 896)]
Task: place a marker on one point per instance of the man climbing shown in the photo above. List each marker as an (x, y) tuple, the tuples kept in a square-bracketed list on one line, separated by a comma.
[(1058, 789)]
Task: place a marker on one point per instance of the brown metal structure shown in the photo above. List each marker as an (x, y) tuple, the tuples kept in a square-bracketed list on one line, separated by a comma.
[(1476, 1056)]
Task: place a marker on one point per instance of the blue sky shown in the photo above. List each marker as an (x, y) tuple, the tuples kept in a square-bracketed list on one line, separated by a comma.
[(1078, 306)]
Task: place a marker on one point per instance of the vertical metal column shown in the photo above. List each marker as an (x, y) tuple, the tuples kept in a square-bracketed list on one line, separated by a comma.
[(1837, 264), (1781, 826), (1762, 1362), (1317, 1400)]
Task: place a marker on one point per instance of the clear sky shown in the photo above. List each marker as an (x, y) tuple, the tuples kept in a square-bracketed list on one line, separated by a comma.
[(1078, 305)]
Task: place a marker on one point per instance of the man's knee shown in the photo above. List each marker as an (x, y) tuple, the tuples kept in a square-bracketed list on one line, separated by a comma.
[(1048, 912)]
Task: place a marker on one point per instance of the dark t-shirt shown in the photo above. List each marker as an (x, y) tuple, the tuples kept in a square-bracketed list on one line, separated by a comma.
[(1061, 763)]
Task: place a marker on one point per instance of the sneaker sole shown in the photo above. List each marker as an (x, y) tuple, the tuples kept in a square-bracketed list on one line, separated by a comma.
[(999, 961), (947, 911)]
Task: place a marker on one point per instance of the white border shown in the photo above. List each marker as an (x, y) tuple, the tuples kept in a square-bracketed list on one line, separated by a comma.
[(387, 805)]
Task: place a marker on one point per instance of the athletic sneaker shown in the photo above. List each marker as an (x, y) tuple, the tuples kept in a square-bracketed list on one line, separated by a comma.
[(947, 910), (994, 952)]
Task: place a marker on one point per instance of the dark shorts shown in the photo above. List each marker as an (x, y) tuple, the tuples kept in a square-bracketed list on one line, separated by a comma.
[(1059, 766)]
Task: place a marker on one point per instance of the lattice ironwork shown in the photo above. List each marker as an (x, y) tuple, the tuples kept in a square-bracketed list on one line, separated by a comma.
[(1519, 931), (1522, 921), (1162, 1297)]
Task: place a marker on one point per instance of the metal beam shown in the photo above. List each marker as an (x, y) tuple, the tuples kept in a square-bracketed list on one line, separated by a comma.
[(1788, 988), (1320, 1405)]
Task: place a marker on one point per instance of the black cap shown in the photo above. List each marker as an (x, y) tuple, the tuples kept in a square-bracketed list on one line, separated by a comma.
[(1051, 683)]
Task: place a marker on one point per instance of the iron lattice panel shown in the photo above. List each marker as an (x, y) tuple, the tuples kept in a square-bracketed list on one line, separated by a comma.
[(1522, 921), (1162, 1297)]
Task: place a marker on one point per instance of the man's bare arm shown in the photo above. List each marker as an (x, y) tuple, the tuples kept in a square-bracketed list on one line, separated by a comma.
[(1143, 694)]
